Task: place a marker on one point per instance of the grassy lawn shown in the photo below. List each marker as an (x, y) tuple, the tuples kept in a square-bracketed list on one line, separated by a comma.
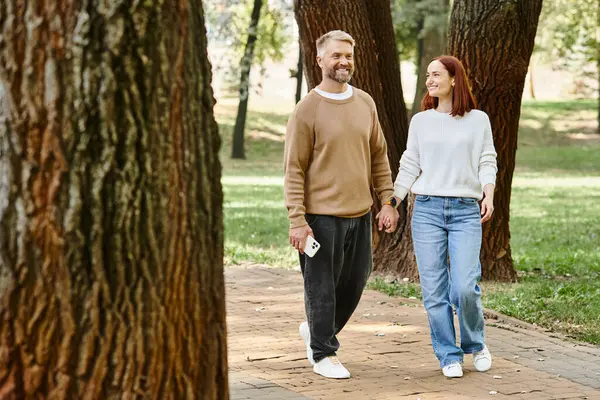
[(555, 214)]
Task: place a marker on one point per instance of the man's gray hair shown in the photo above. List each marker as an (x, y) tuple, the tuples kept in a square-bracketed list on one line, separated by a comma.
[(333, 35)]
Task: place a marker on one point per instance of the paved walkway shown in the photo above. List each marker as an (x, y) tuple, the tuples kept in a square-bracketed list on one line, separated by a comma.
[(386, 347)]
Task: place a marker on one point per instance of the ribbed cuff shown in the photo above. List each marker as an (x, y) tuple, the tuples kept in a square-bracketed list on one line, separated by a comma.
[(487, 179), (298, 222), (400, 192)]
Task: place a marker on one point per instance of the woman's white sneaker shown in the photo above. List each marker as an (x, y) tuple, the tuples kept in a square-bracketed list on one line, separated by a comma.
[(453, 370), (331, 367), (305, 334), (482, 360)]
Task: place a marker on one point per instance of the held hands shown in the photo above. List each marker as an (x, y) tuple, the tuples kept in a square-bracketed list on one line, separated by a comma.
[(298, 237), (388, 218)]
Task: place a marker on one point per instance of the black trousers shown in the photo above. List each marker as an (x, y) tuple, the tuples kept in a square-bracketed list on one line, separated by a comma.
[(334, 279)]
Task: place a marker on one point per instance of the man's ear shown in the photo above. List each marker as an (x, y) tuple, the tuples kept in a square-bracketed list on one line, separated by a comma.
[(318, 60)]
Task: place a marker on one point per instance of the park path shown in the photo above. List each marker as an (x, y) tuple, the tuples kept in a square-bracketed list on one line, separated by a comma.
[(386, 347)]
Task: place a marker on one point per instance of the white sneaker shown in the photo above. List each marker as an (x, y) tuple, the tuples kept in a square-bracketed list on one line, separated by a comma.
[(331, 367), (453, 370), (482, 360), (305, 333)]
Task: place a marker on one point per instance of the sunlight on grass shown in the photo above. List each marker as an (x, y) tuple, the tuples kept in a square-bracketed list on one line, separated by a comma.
[(555, 215)]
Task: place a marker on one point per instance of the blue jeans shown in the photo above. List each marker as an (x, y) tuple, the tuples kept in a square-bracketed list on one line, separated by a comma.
[(445, 227)]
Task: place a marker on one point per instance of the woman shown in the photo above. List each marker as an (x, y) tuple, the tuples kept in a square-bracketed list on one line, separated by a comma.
[(449, 161)]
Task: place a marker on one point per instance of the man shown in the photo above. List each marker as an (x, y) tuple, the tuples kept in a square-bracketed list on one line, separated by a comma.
[(334, 152)]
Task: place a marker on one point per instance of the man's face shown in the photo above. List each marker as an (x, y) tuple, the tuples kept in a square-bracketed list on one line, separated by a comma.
[(337, 61)]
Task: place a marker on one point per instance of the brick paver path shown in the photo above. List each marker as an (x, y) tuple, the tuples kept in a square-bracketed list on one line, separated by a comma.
[(387, 349)]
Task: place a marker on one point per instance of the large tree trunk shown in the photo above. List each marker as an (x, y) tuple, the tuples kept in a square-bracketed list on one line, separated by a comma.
[(430, 44), (299, 75), (237, 149), (494, 40), (378, 73), (111, 233)]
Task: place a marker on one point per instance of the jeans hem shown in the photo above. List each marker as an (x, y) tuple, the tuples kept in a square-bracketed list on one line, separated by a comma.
[(448, 362), (471, 351)]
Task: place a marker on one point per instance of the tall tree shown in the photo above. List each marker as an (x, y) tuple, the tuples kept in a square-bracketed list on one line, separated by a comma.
[(237, 150), (378, 73), (299, 75), (111, 203), (431, 42), (494, 40)]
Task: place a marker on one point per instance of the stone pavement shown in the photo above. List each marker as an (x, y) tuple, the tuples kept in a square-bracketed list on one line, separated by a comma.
[(386, 347)]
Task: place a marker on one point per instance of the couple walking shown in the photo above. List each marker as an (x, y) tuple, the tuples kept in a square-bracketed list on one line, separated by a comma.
[(335, 152)]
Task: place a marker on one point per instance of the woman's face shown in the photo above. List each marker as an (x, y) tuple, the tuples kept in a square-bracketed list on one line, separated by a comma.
[(439, 82)]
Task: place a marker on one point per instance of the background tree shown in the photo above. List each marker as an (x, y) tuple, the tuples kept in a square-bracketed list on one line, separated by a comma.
[(111, 203), (237, 148), (431, 42), (569, 38), (421, 28), (496, 64), (378, 73)]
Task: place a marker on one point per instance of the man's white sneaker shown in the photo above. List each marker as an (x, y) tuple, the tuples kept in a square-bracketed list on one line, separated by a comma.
[(482, 360), (453, 370), (305, 333), (331, 367)]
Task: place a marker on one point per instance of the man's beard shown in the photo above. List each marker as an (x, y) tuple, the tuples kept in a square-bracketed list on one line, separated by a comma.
[(332, 74)]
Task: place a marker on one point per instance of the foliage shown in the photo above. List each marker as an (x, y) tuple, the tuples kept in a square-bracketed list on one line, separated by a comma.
[(410, 23), (227, 25), (567, 35)]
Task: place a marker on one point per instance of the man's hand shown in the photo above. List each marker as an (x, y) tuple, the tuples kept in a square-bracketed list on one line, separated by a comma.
[(487, 204), (298, 237), (388, 218)]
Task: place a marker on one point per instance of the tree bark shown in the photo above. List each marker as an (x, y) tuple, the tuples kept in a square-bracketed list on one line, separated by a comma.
[(378, 73), (494, 40), (299, 75), (430, 44), (237, 150), (111, 231)]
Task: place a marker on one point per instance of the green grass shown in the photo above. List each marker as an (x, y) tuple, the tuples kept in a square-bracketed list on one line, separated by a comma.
[(555, 214)]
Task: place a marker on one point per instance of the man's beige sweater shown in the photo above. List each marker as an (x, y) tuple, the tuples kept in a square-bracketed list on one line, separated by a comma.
[(334, 152)]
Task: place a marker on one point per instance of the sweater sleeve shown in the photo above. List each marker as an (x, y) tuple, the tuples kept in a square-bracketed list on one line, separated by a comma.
[(487, 159), (381, 174), (410, 167), (299, 139)]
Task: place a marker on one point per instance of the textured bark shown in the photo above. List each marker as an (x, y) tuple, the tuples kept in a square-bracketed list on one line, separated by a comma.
[(378, 73), (299, 75), (237, 148), (111, 278), (494, 40), (430, 44)]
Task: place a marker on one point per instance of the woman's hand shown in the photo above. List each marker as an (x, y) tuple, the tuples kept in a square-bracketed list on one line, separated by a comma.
[(487, 204)]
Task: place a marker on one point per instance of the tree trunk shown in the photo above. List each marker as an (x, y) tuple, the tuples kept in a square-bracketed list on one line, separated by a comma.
[(299, 75), (494, 40), (378, 73), (430, 44), (111, 205), (531, 82), (237, 150)]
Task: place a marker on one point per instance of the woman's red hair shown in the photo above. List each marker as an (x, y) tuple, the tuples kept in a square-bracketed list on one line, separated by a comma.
[(462, 98)]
